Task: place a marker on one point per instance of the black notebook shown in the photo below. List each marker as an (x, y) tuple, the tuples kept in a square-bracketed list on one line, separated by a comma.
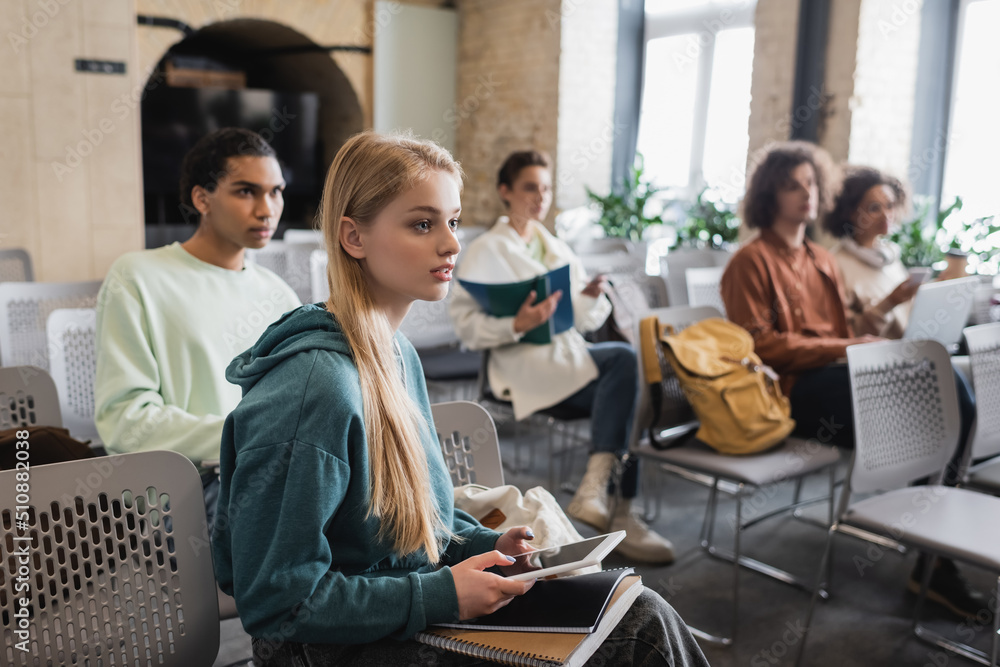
[(564, 604)]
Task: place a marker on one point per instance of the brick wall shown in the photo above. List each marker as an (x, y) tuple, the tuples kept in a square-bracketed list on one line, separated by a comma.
[(839, 84), (507, 93)]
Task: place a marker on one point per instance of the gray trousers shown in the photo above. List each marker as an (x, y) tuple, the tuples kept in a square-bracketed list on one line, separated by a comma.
[(651, 633)]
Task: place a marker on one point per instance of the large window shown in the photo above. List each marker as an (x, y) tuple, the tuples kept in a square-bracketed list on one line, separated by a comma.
[(970, 170), (696, 95)]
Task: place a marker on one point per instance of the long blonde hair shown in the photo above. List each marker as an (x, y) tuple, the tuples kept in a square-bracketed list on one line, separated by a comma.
[(369, 171)]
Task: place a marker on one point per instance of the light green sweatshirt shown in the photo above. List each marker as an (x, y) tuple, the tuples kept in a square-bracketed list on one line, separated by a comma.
[(168, 324)]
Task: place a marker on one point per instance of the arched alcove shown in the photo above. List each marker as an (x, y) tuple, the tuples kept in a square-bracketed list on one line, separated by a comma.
[(295, 95)]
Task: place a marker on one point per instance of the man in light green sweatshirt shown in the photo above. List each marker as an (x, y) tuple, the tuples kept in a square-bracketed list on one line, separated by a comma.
[(170, 320)]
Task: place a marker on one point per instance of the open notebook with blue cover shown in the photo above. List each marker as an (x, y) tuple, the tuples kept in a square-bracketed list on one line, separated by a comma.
[(505, 299)]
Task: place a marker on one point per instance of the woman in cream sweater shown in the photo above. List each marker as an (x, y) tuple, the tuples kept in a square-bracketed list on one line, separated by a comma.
[(569, 372), (878, 289)]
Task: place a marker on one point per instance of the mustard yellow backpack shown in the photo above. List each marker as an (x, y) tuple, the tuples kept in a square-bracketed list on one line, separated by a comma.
[(735, 397)]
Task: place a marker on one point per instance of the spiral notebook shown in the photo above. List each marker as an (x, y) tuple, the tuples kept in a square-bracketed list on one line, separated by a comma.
[(537, 649)]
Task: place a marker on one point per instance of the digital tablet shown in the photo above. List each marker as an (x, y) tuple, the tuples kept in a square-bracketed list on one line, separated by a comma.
[(566, 557)]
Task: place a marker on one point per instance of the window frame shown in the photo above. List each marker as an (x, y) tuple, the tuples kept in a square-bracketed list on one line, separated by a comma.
[(697, 21)]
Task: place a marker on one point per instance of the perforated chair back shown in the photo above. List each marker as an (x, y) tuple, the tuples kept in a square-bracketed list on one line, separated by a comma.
[(73, 364), (703, 287), (984, 356), (629, 300), (603, 246), (15, 266), (120, 573), (675, 408), (28, 397), (24, 312), (614, 262), (320, 287), (984, 310), (675, 264), (906, 417), (469, 443), (291, 262), (314, 236)]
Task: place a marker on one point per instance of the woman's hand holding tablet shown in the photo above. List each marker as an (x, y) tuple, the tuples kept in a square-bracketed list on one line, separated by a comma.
[(563, 558)]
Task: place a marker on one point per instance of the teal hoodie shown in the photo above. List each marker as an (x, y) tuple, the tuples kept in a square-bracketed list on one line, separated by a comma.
[(291, 541)]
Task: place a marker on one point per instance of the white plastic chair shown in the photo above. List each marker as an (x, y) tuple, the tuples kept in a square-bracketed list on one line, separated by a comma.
[(28, 397), (986, 304), (319, 286), (907, 425), (291, 262), (120, 573), (24, 311), (469, 443), (449, 370), (603, 246), (703, 287), (73, 363), (984, 355), (675, 263), (15, 266), (313, 236), (739, 476)]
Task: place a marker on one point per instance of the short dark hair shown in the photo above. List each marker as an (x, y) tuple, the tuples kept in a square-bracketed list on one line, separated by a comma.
[(515, 162), (760, 204), (205, 164), (858, 181)]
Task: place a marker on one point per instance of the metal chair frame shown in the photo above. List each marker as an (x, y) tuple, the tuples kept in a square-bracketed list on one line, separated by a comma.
[(907, 427), (738, 476), (563, 427)]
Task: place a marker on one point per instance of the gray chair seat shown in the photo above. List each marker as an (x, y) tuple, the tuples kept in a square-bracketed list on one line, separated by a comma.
[(940, 519), (986, 477), (793, 458)]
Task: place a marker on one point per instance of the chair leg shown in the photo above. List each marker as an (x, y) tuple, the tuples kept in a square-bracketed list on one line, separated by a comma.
[(823, 565), (930, 637), (708, 524)]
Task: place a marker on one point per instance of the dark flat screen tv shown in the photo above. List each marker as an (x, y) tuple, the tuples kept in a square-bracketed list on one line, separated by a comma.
[(173, 119)]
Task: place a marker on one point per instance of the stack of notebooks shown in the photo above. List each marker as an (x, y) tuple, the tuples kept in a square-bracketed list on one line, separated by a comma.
[(559, 622)]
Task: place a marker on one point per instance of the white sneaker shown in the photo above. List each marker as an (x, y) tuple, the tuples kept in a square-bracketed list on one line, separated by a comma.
[(641, 543), (590, 504)]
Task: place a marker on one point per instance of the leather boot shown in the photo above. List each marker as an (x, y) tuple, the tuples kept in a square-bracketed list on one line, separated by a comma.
[(590, 504), (641, 543)]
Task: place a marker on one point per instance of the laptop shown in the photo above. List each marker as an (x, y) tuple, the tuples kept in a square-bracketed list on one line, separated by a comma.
[(941, 310)]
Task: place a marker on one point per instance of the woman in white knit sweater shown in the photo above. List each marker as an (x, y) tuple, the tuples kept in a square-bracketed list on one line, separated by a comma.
[(878, 289)]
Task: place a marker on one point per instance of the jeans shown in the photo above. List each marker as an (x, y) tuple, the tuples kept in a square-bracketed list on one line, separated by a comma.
[(822, 409), (650, 634), (610, 399)]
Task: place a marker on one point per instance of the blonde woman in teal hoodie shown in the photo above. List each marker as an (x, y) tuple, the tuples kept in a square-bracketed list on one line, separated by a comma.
[(337, 533)]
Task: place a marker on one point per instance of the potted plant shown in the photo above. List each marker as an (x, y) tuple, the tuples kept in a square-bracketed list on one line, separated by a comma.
[(946, 242), (709, 224), (624, 214)]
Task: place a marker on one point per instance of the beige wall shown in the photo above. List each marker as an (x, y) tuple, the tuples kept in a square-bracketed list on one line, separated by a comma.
[(507, 94), (71, 182)]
